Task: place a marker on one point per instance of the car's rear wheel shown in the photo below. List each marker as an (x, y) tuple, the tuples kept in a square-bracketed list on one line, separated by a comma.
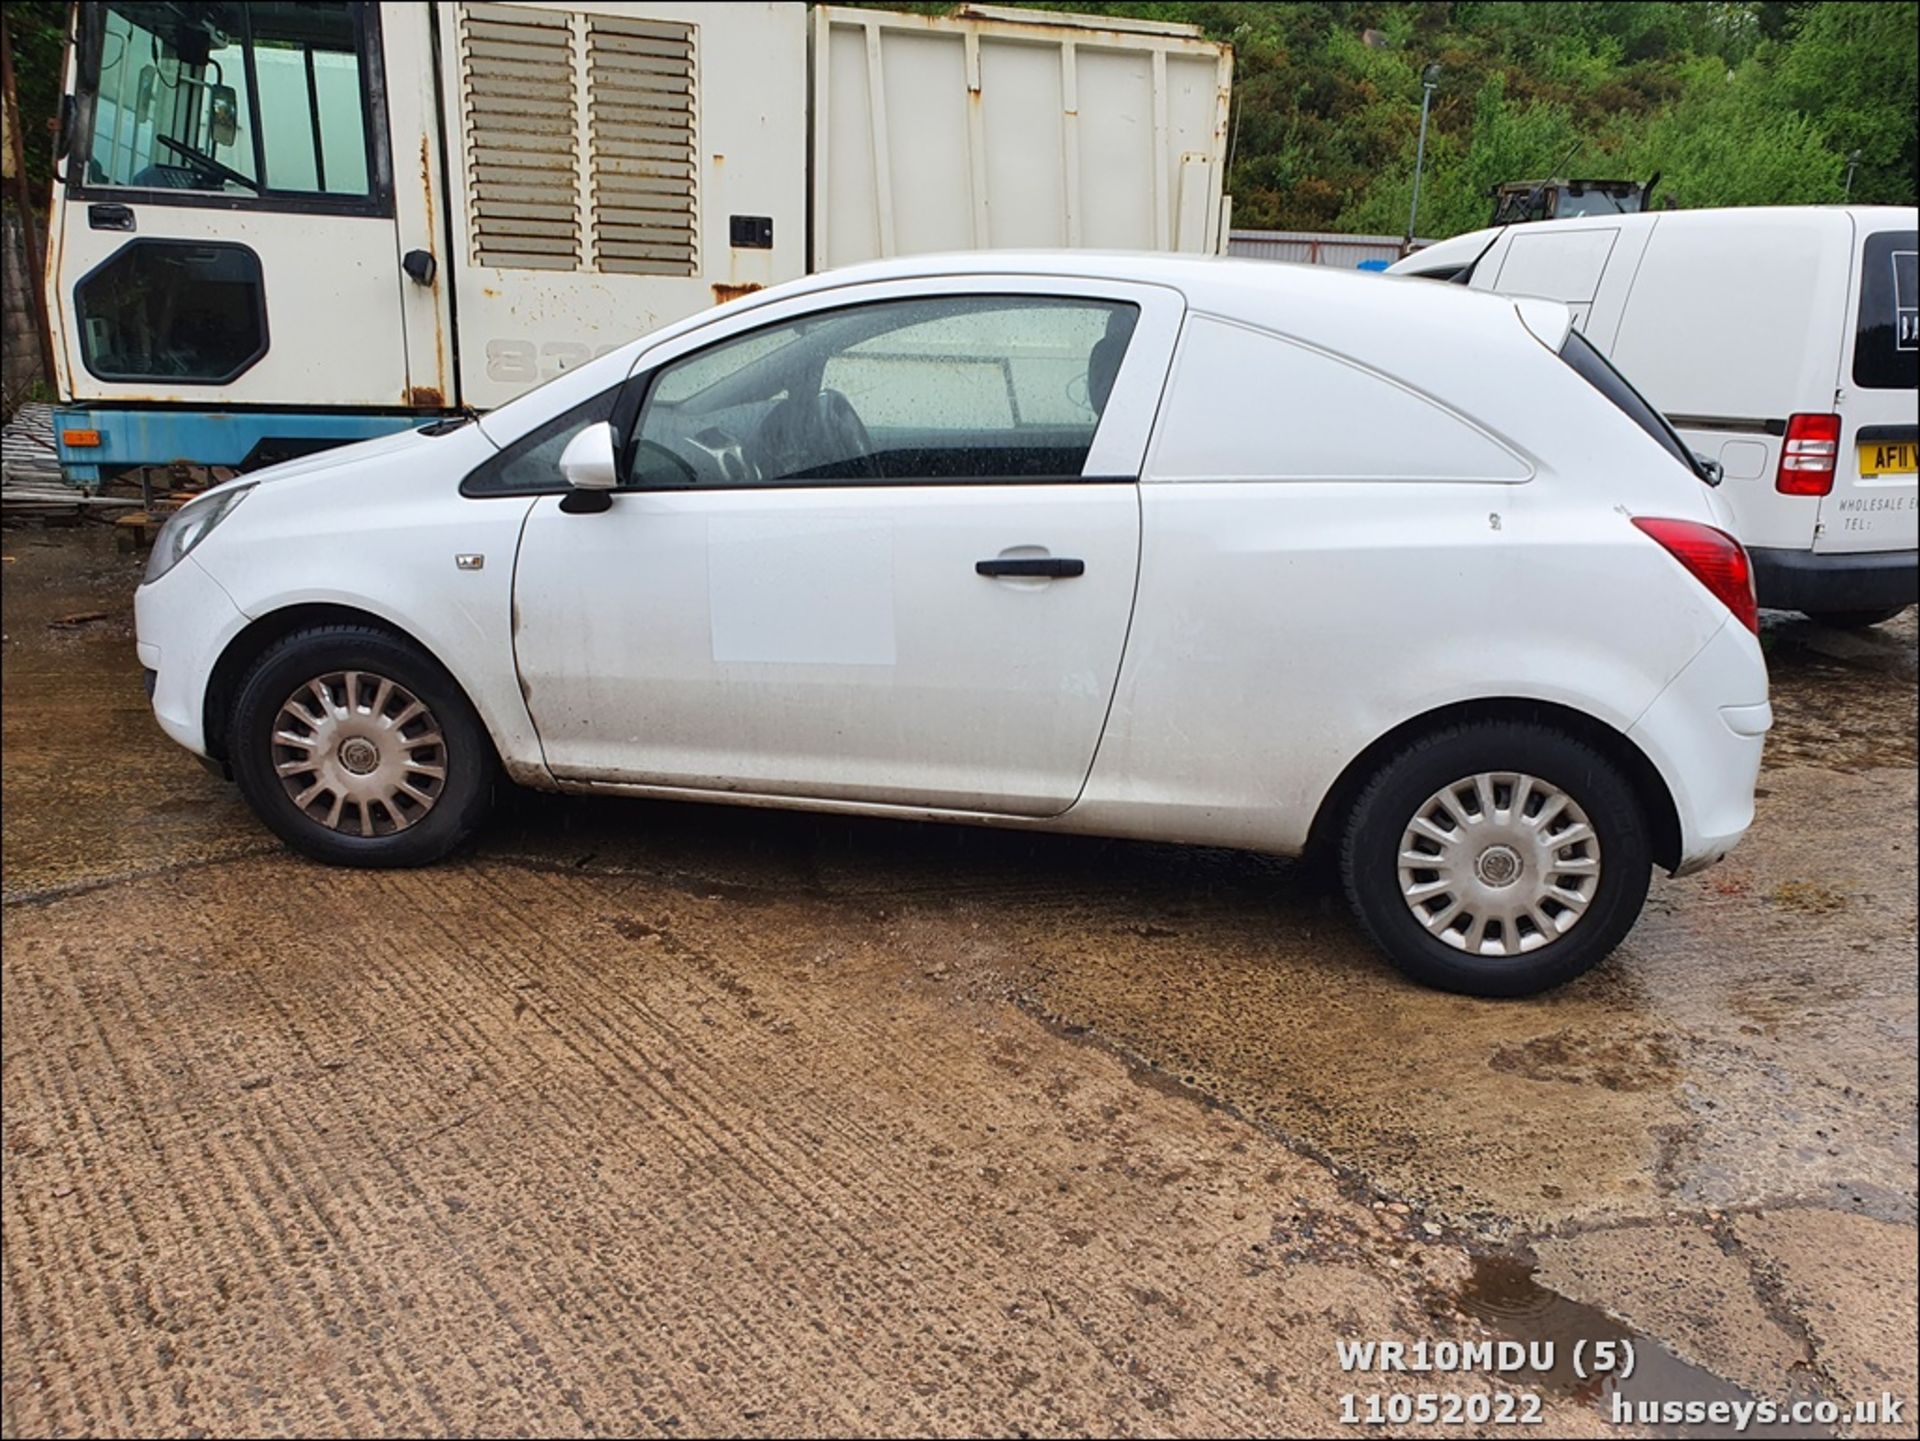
[(1854, 619), (1498, 859), (357, 749)]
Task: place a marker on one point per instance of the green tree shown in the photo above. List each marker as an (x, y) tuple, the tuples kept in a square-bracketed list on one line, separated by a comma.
[(36, 30)]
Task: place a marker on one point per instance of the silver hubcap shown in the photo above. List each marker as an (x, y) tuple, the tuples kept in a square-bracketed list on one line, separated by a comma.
[(359, 753), (1499, 864)]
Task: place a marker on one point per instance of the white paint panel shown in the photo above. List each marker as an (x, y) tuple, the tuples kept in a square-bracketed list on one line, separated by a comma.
[(800, 590), (1557, 265), (845, 650), (1743, 318), (1244, 404)]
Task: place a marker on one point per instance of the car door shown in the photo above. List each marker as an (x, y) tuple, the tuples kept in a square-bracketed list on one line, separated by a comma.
[(875, 545)]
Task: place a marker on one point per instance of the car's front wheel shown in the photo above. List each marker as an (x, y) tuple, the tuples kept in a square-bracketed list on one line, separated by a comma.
[(1497, 859), (357, 749)]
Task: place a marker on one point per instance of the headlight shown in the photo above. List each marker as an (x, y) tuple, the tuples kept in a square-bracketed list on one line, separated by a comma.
[(190, 525)]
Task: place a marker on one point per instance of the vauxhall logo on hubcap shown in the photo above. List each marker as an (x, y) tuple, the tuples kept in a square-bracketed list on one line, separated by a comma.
[(1498, 866), (359, 755)]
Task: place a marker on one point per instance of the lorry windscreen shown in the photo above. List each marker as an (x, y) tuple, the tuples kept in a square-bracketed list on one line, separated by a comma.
[(1594, 368)]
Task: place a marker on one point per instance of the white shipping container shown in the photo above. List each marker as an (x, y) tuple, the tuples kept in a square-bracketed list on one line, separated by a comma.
[(999, 128)]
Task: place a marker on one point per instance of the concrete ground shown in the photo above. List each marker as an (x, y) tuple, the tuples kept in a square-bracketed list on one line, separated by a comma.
[(673, 1120)]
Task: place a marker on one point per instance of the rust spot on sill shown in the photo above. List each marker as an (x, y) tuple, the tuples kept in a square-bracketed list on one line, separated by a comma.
[(723, 292), (426, 397)]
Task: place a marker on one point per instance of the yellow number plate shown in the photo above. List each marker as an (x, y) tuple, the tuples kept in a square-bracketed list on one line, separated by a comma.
[(1894, 459)]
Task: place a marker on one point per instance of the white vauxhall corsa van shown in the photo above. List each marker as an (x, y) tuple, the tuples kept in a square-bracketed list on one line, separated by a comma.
[(1782, 344)]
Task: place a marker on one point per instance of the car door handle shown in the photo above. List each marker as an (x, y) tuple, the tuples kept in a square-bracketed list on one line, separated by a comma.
[(1042, 565), (110, 217)]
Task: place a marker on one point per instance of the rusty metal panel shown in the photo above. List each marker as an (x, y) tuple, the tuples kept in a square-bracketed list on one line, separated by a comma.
[(642, 146)]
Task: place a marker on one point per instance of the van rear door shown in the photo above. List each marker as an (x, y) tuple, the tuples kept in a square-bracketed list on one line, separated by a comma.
[(1874, 504)]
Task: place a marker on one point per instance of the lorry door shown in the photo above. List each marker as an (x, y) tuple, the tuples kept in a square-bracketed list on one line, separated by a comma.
[(1874, 504), (611, 168), (224, 231)]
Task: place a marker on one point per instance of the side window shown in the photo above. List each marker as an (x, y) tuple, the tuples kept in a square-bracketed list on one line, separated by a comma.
[(236, 100), (1886, 347), (531, 465), (184, 311), (1245, 404), (990, 388)]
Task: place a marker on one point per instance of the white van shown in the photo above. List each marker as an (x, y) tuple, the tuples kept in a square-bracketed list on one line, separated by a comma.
[(1782, 344)]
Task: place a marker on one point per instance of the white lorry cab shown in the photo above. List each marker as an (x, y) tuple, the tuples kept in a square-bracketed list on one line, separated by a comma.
[(278, 227), (1782, 344)]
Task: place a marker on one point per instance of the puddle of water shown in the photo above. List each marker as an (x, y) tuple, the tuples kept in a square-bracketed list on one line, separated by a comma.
[(1503, 1295)]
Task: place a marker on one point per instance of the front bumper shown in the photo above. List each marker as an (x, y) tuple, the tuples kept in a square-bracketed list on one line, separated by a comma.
[(1808, 580), (1704, 734), (184, 621)]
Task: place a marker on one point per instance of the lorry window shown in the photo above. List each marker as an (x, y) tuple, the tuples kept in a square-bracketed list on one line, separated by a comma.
[(230, 99), (1591, 366), (183, 311), (1886, 352)]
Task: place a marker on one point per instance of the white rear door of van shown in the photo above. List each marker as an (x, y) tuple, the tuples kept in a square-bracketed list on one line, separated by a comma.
[(1874, 504)]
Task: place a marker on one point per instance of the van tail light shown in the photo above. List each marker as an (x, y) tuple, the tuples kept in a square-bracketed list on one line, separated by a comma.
[(1712, 557), (1807, 458)]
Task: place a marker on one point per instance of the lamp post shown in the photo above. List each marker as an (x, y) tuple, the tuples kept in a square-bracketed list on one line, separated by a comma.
[(1429, 78), (1853, 164)]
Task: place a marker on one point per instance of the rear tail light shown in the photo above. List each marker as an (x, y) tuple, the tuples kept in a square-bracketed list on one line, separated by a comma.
[(1807, 458), (1712, 557)]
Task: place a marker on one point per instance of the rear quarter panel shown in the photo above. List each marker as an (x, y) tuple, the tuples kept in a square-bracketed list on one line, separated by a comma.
[(1282, 626)]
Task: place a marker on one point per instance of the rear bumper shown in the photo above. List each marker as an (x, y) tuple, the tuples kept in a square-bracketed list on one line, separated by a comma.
[(1811, 581), (1704, 734)]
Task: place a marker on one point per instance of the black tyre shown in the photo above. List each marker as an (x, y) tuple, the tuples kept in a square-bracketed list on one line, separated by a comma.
[(1854, 619), (358, 749), (1497, 859)]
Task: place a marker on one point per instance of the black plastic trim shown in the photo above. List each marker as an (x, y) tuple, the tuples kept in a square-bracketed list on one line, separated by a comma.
[(1736, 424), (1045, 566), (1887, 434), (1813, 581), (903, 482)]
